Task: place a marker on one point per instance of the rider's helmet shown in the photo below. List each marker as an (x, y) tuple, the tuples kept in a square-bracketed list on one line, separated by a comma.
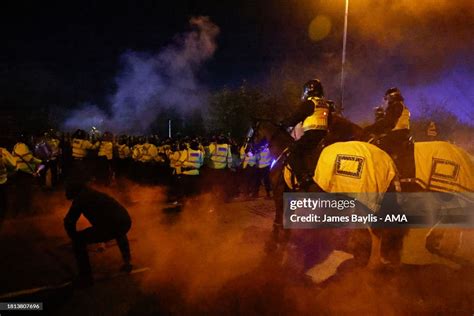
[(312, 88), (393, 95)]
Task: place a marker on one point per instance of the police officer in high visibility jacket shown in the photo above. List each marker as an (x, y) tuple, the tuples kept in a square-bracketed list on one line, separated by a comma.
[(220, 155), (220, 162), (264, 161), (25, 161), (190, 161), (392, 133), (80, 148), (28, 166), (315, 114), (122, 157), (148, 152), (7, 166), (104, 159), (81, 145), (147, 156), (249, 172), (396, 121)]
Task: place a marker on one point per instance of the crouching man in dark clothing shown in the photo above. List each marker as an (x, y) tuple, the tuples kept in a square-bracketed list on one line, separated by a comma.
[(109, 219)]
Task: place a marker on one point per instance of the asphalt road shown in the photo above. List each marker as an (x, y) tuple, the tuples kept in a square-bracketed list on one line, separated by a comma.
[(209, 258)]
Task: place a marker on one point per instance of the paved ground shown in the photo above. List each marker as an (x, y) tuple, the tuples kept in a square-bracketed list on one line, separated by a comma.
[(209, 258)]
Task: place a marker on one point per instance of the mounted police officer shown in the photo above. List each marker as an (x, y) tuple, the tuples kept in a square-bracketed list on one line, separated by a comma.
[(315, 115), (392, 132)]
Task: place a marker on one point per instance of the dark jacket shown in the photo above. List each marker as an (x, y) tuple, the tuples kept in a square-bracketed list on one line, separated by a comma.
[(386, 124), (101, 210)]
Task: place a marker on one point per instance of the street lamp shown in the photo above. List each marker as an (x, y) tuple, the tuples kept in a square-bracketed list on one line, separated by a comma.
[(344, 55)]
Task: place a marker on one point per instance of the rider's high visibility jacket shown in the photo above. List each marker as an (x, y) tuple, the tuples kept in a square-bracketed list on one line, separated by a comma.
[(318, 120), (403, 121)]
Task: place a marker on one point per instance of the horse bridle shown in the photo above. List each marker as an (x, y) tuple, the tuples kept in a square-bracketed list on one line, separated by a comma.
[(251, 133)]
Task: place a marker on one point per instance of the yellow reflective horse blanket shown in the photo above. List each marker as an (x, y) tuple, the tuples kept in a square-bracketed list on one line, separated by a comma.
[(354, 167), (442, 166)]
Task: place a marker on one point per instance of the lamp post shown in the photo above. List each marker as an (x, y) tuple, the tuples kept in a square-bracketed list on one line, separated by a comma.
[(344, 55), (169, 128)]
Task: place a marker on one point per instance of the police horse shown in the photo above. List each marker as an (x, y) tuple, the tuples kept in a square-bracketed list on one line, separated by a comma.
[(347, 139), (337, 146)]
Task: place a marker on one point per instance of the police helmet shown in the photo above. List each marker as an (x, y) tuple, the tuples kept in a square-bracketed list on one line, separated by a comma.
[(80, 134), (312, 88), (194, 145), (221, 139), (393, 95), (108, 137)]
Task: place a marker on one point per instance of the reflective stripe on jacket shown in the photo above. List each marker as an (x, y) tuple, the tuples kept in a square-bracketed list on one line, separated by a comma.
[(264, 158), (220, 156), (25, 161), (191, 161)]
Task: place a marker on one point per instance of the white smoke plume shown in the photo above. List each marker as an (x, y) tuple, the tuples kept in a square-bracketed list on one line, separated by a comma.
[(149, 83)]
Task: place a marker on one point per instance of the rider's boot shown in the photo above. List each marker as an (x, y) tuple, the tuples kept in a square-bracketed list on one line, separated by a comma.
[(304, 180)]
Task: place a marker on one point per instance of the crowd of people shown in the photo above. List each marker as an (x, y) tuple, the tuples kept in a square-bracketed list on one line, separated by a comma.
[(186, 166)]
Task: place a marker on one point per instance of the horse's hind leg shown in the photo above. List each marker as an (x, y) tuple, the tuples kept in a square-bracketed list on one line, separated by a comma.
[(279, 236)]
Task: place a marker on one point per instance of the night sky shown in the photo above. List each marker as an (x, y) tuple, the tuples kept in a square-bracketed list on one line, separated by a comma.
[(68, 53), (77, 47)]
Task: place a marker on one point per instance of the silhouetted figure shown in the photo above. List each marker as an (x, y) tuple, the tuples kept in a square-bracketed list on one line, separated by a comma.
[(109, 220)]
